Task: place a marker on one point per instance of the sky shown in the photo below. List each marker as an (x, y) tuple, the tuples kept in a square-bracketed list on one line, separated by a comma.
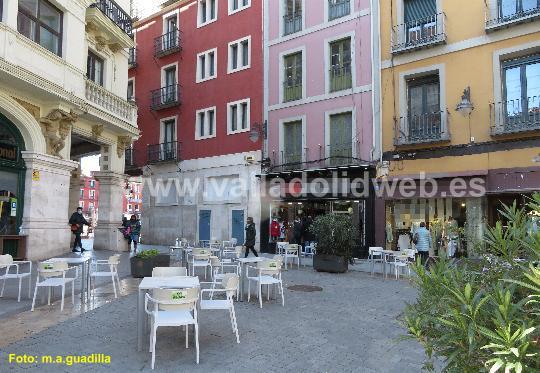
[(89, 164)]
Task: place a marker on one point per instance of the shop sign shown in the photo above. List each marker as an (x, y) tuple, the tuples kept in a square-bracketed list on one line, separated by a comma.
[(36, 175), (9, 152), (13, 203)]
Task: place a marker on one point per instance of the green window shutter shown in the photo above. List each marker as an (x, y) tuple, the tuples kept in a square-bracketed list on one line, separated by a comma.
[(416, 10), (340, 138)]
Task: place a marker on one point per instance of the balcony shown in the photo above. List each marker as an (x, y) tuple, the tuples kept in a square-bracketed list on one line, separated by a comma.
[(502, 14), (340, 77), (111, 24), (110, 102), (292, 91), (165, 97), (328, 156), (167, 44), (419, 34), (338, 9), (515, 116), (421, 129), (132, 58), (164, 152), (292, 23), (339, 154)]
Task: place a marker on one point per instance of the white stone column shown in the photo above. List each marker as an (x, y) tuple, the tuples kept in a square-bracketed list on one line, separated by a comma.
[(46, 205), (75, 186), (111, 189)]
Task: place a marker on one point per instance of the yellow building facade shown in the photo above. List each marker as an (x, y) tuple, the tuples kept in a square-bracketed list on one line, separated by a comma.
[(460, 99)]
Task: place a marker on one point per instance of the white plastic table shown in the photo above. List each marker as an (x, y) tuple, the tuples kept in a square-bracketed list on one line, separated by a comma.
[(148, 283), (84, 262), (244, 262)]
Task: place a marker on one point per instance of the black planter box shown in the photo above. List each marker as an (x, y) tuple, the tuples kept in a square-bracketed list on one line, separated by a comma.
[(330, 263), (143, 267)]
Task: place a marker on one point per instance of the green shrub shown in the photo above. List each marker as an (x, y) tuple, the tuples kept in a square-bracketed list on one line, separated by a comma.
[(483, 315), (335, 233), (147, 254)]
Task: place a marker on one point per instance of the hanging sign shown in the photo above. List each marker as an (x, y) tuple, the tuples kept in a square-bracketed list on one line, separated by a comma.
[(13, 203), (36, 175), (9, 152)]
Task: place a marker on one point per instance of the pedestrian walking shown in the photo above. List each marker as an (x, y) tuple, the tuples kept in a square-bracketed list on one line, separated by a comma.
[(422, 241), (251, 233), (297, 231), (134, 226), (77, 221)]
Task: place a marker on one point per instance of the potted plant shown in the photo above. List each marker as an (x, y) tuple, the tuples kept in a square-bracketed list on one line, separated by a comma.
[(335, 235), (143, 263)]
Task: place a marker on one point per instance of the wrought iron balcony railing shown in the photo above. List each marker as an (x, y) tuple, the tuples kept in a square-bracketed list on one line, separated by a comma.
[(339, 154), (165, 97), (116, 14), (338, 9), (423, 128), (503, 13), (340, 77), (292, 23), (132, 58), (167, 43), (419, 34), (164, 152), (292, 90), (515, 116)]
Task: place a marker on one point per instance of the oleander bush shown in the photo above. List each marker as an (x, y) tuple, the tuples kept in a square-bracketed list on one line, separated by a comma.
[(483, 314)]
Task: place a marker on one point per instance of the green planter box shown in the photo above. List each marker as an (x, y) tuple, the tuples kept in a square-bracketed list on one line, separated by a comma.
[(143, 267), (330, 263)]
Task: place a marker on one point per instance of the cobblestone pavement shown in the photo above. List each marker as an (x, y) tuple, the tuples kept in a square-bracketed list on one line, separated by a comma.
[(350, 326)]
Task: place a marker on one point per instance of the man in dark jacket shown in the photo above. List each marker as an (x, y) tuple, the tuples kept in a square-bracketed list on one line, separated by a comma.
[(134, 226), (77, 221), (250, 237), (297, 231)]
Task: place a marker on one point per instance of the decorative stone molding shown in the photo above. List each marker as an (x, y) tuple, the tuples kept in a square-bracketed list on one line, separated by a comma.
[(32, 109), (123, 143), (97, 130), (56, 127)]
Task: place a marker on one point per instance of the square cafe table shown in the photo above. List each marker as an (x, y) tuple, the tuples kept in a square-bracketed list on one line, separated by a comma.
[(84, 262), (149, 283), (244, 262)]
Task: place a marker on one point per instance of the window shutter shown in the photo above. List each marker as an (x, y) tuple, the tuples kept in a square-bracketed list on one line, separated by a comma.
[(416, 10)]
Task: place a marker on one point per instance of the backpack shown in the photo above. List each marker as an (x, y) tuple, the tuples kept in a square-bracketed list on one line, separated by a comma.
[(415, 238)]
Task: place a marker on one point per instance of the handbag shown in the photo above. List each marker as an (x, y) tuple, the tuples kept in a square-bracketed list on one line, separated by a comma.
[(74, 227)]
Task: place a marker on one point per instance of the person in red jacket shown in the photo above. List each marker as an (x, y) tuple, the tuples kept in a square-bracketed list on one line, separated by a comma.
[(274, 230)]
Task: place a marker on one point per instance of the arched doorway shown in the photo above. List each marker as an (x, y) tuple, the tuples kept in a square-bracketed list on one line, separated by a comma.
[(12, 179)]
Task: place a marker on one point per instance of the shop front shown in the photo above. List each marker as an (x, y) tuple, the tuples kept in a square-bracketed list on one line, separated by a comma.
[(12, 181), (305, 195)]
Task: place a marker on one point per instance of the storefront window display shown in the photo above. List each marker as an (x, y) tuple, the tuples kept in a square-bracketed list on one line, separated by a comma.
[(455, 224)]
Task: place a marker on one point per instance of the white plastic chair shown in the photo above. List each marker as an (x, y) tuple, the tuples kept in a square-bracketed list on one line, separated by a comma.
[(169, 271), (222, 268), (376, 255), (238, 250), (280, 247), (229, 286), (112, 265), (292, 251), (268, 273), (400, 263), (172, 307), (53, 274), (6, 263), (200, 258)]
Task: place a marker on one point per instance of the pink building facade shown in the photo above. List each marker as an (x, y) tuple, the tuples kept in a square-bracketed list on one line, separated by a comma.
[(321, 93)]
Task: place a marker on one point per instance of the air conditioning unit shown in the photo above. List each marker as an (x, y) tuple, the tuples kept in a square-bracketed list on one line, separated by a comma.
[(249, 159)]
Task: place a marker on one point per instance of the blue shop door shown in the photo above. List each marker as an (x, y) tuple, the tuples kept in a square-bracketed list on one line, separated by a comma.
[(204, 225), (238, 226)]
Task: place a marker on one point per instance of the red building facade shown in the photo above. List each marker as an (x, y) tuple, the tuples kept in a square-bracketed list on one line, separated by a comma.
[(197, 77), (89, 196)]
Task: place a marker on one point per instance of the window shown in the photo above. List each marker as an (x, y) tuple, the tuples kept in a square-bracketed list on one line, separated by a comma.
[(170, 36), (292, 81), (41, 22), (205, 123), (340, 138), (129, 207), (292, 143), (239, 54), (168, 139), (169, 85), (92, 183), (521, 93), (238, 116), (131, 90), (292, 20), (423, 109), (206, 65), (91, 206), (81, 204), (421, 20), (137, 207), (94, 68), (1, 9), (92, 194), (338, 9), (340, 65), (510, 9), (238, 5), (82, 193), (207, 12)]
